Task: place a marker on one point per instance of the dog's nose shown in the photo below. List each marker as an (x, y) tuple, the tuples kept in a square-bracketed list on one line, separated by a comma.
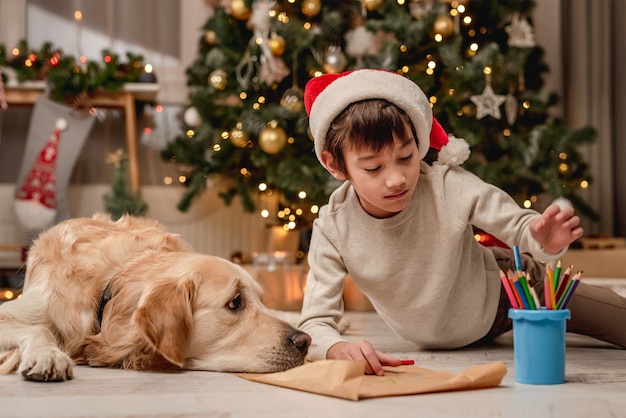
[(300, 340)]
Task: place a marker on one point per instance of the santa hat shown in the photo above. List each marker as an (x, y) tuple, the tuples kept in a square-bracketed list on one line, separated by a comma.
[(328, 95)]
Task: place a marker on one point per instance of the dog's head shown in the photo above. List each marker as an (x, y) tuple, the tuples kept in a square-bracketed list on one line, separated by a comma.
[(205, 313)]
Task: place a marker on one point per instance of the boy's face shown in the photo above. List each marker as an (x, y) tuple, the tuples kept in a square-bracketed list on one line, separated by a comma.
[(384, 181)]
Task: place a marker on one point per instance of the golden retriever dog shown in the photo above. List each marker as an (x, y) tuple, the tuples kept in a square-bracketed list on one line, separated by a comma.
[(128, 294)]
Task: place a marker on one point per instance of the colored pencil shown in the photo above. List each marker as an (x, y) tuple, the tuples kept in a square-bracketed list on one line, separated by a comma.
[(533, 293), (526, 288), (564, 282), (518, 258), (558, 286), (520, 292), (546, 292), (550, 272), (550, 286), (511, 276), (557, 275), (570, 291), (514, 290), (508, 290)]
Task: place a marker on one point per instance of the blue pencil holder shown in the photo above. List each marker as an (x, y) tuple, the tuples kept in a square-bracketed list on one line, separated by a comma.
[(539, 345)]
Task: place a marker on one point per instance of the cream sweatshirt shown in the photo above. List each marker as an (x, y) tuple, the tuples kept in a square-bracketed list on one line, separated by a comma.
[(422, 269)]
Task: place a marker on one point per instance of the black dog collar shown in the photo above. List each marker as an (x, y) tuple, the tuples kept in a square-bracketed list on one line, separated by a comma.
[(104, 299)]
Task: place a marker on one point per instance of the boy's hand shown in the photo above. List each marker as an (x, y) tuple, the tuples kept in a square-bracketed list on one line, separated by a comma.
[(363, 350), (556, 228)]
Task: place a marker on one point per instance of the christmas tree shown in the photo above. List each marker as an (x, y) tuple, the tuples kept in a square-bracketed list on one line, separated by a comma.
[(476, 60), (122, 200)]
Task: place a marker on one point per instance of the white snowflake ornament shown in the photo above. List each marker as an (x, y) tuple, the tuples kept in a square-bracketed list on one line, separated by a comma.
[(520, 33)]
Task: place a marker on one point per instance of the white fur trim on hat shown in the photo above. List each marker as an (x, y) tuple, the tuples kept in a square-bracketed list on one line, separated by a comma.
[(370, 84)]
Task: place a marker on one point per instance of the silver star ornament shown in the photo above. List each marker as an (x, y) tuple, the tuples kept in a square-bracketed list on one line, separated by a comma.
[(488, 103)]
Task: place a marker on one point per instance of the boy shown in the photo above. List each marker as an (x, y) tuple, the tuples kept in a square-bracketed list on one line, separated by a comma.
[(402, 229)]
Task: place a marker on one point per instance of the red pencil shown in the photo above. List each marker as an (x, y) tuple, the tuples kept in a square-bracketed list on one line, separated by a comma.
[(407, 362), (546, 293), (564, 283), (508, 290)]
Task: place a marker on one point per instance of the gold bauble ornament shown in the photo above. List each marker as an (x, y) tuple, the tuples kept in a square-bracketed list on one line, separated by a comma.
[(293, 99), (311, 8), (238, 136), (272, 139), (372, 5), (210, 37), (277, 45), (218, 79), (239, 10), (334, 60), (444, 25)]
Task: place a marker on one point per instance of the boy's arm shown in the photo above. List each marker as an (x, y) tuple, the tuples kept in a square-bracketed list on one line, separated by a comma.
[(322, 307), (494, 211), (322, 310)]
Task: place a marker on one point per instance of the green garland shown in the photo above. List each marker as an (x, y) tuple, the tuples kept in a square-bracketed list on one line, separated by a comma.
[(67, 77)]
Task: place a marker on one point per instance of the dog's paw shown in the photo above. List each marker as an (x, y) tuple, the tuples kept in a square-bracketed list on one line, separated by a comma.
[(46, 365)]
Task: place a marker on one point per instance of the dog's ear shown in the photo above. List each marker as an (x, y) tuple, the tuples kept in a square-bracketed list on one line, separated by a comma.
[(165, 319)]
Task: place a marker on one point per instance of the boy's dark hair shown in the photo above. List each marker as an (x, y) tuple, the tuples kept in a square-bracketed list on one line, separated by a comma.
[(371, 124)]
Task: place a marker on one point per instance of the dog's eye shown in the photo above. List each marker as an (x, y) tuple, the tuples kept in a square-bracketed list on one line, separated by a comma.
[(235, 304)]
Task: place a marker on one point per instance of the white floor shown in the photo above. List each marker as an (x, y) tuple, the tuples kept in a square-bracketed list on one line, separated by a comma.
[(595, 387)]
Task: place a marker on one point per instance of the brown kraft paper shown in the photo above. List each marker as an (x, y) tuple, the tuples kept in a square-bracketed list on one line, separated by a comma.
[(347, 379)]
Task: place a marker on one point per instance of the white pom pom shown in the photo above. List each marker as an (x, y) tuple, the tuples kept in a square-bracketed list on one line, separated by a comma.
[(454, 153), (61, 124)]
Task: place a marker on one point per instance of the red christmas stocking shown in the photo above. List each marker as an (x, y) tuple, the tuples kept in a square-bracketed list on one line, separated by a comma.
[(36, 200), (56, 136)]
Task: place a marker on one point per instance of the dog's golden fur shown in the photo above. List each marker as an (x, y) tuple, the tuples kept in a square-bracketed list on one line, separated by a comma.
[(169, 307)]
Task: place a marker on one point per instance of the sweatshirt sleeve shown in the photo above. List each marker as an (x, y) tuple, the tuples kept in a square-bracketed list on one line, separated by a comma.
[(495, 212), (322, 308)]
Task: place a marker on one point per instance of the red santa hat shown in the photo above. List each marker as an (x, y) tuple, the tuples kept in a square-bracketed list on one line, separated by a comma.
[(328, 95)]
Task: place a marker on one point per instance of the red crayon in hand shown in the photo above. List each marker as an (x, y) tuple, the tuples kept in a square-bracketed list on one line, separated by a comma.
[(407, 362)]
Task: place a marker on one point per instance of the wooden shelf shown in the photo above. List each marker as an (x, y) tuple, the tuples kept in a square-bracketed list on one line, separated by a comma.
[(29, 92)]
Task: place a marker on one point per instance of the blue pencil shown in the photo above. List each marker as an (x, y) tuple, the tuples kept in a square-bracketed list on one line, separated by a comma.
[(518, 258), (520, 291)]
